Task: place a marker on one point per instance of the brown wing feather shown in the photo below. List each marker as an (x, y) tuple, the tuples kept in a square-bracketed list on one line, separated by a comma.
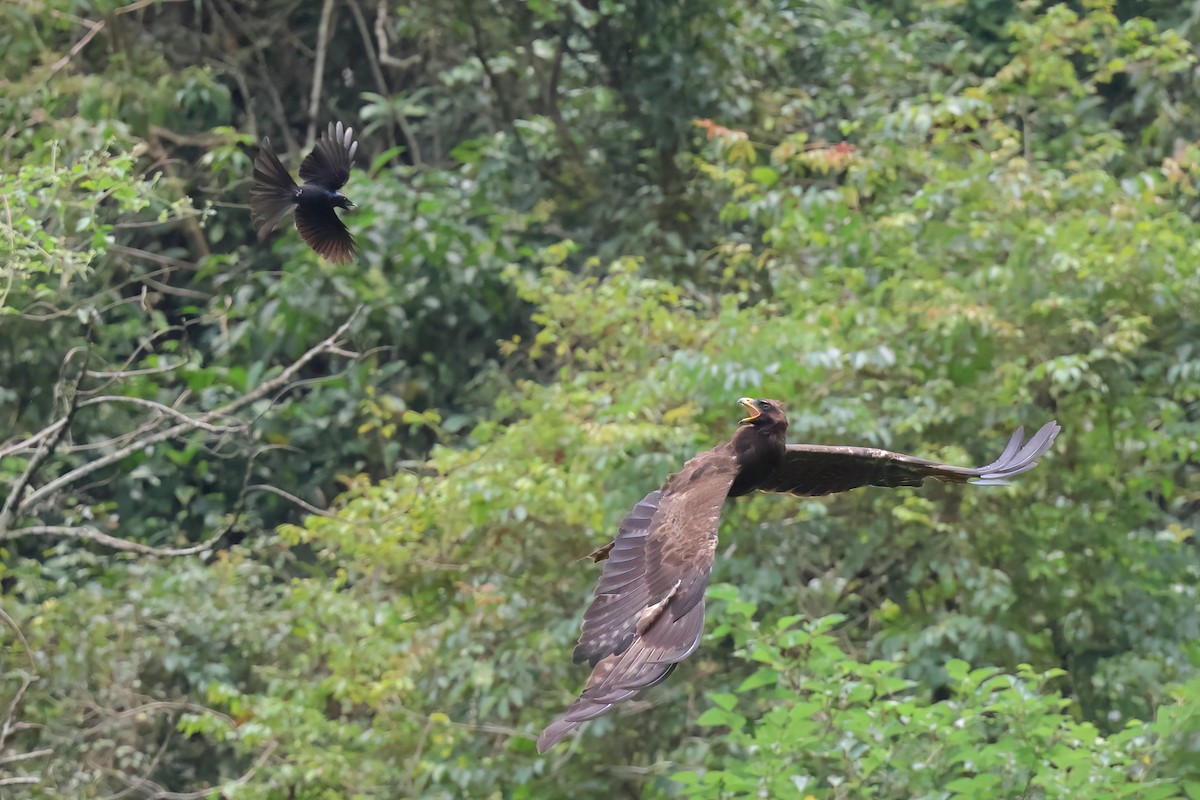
[(813, 470), (325, 232), (621, 590), (329, 162), (648, 614), (617, 678)]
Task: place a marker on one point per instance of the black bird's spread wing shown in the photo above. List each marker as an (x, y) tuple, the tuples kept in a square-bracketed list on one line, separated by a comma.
[(273, 193), (648, 614), (329, 162), (811, 470), (324, 231)]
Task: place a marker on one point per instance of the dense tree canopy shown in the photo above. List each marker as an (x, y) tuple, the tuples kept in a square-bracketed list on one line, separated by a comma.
[(276, 527)]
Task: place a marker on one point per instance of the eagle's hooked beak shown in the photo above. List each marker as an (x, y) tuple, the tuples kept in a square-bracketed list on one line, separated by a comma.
[(752, 407)]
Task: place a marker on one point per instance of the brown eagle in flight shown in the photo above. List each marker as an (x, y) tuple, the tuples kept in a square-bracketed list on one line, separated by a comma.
[(648, 614)]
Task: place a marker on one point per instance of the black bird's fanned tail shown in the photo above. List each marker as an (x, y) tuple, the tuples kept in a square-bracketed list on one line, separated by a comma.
[(325, 232), (273, 193)]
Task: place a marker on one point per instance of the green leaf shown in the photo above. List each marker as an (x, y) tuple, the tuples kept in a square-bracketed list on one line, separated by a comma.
[(766, 176), (760, 678), (725, 701), (715, 717)]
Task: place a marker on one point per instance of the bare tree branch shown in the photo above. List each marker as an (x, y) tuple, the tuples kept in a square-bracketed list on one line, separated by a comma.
[(129, 373), (93, 29), (25, 444), (123, 372), (155, 706), (45, 751), (274, 385), (124, 545), (368, 46), (13, 502), (114, 441), (9, 723), (314, 101), (16, 629), (291, 498), (47, 440), (382, 39), (163, 409), (148, 769), (220, 11), (138, 5)]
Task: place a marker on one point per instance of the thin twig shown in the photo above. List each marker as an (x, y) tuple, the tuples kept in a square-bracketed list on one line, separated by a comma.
[(138, 5), (8, 724), (16, 629), (163, 409), (25, 444), (264, 389), (222, 9), (158, 258), (114, 441), (132, 373), (506, 107), (13, 503), (345, 520), (11, 272), (143, 345), (94, 28), (158, 705), (377, 73), (124, 545), (314, 101), (178, 291), (239, 77), (45, 751), (149, 768), (291, 498), (382, 39)]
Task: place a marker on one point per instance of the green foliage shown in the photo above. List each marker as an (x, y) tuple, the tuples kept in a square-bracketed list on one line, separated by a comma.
[(828, 725)]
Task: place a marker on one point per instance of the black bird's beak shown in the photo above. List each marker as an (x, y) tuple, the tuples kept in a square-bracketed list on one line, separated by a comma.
[(752, 407)]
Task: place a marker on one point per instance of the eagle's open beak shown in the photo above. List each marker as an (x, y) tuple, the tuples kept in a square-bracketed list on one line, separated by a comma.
[(752, 407)]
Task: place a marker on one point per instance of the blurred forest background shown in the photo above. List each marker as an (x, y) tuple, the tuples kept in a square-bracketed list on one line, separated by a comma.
[(274, 528)]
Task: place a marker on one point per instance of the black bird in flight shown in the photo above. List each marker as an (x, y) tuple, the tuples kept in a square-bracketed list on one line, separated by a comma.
[(648, 614), (324, 171)]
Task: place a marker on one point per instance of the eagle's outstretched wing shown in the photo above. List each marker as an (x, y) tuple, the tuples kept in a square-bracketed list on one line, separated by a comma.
[(648, 614), (812, 470)]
